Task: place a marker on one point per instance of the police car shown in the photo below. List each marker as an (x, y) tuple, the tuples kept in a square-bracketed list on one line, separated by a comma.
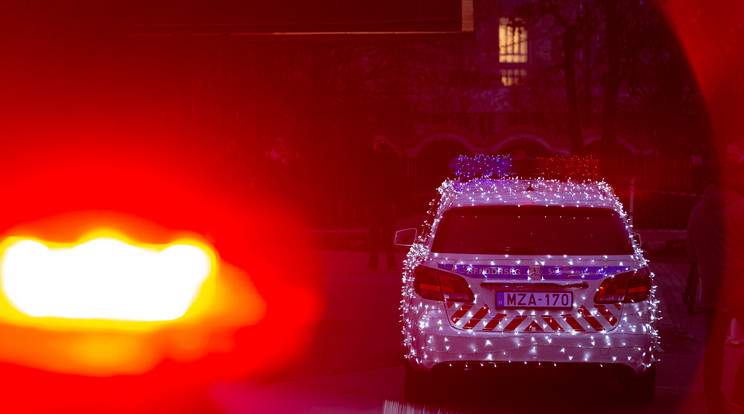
[(537, 273)]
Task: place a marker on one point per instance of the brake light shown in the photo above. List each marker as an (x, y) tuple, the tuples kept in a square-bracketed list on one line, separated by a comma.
[(625, 287), (435, 284)]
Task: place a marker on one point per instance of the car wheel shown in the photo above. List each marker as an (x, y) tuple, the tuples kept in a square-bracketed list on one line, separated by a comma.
[(639, 388), (420, 387)]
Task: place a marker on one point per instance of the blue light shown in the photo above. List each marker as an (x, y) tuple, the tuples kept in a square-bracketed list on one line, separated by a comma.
[(482, 166)]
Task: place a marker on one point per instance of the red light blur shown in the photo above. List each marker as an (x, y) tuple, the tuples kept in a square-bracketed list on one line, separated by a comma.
[(713, 38), (714, 42), (154, 192)]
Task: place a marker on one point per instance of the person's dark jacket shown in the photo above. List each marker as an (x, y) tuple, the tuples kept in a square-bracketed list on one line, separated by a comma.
[(715, 236)]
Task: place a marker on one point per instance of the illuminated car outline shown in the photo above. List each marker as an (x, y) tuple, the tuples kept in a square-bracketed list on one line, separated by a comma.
[(464, 334)]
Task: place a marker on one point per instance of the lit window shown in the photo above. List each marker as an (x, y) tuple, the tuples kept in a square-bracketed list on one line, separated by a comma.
[(512, 41), (513, 77)]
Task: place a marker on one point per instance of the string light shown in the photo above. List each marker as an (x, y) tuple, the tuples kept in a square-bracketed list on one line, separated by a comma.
[(568, 167), (482, 166), (601, 333)]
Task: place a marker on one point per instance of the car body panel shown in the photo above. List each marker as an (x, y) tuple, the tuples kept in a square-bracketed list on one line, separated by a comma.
[(438, 333)]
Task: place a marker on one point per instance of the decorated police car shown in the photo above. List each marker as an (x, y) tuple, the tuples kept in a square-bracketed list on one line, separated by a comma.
[(539, 273)]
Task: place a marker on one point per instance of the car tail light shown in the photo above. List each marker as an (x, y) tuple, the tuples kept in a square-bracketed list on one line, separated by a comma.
[(435, 284), (625, 287)]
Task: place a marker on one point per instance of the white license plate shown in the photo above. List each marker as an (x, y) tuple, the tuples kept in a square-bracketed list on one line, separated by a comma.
[(561, 300)]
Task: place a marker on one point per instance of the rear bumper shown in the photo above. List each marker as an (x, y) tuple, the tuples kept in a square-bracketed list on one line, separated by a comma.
[(437, 344), (514, 370)]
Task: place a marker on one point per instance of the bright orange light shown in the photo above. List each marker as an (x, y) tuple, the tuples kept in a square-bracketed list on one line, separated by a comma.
[(252, 315), (104, 278), (108, 305)]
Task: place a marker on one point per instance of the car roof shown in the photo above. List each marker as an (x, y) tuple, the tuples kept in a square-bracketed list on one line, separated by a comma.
[(515, 191)]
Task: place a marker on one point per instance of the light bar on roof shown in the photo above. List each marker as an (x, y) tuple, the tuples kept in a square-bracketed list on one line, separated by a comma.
[(482, 166), (568, 167)]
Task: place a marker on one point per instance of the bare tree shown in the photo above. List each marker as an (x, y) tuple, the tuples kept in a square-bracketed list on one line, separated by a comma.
[(659, 93), (612, 85), (571, 21)]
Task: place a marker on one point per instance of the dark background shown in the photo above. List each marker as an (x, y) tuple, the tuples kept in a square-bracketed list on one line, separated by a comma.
[(202, 87)]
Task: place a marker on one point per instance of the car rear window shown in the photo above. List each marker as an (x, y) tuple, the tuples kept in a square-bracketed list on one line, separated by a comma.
[(537, 230)]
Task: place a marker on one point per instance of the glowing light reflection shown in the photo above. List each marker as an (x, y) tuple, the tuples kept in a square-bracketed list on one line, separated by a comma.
[(104, 278)]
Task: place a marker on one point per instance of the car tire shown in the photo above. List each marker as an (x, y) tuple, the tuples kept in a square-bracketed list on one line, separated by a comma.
[(639, 388), (419, 387)]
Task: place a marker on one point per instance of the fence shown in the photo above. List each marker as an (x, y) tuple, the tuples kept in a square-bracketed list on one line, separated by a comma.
[(659, 189)]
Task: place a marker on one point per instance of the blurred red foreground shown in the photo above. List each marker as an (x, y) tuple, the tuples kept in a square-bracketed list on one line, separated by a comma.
[(154, 191)]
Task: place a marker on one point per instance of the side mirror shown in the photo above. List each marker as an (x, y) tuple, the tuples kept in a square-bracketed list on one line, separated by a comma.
[(405, 237), (636, 238)]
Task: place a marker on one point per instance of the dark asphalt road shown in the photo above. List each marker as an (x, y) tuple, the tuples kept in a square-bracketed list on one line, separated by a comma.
[(353, 364)]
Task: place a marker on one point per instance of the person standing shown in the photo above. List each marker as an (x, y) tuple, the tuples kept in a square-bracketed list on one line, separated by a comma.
[(715, 235), (383, 178)]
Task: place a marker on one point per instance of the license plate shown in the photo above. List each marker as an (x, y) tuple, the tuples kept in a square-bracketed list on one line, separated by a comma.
[(560, 300)]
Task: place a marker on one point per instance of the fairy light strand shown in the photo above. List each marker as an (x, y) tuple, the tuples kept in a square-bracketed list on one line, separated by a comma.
[(626, 334)]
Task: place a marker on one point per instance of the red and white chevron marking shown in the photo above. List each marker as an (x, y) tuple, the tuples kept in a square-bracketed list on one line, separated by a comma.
[(471, 316)]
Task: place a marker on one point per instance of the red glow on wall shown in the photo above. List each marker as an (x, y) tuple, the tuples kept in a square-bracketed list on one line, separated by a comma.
[(712, 36)]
